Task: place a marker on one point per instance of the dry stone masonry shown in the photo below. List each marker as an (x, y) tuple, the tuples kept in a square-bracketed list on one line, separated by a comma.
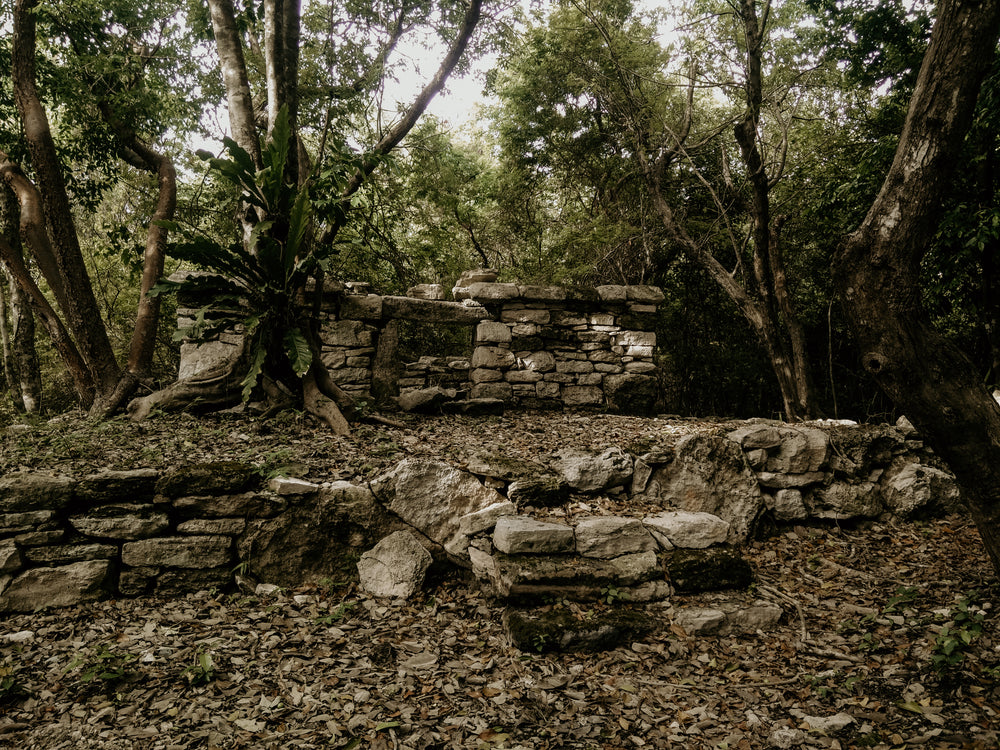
[(65, 540), (540, 346)]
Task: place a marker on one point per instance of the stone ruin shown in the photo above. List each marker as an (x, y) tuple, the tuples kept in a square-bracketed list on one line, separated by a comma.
[(531, 346), (65, 540)]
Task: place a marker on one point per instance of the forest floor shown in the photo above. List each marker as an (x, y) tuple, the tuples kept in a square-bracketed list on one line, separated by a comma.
[(889, 639)]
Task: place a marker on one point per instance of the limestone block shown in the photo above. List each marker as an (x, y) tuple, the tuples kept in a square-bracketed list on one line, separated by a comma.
[(689, 530), (350, 375), (477, 276), (10, 557), (71, 553), (208, 479), (911, 488), (700, 620), (334, 359), (349, 333), (539, 362), (248, 504), (484, 375), (590, 378), (781, 480), (645, 294), (635, 338), (640, 368), (486, 292), (361, 307), (709, 475), (503, 467), (589, 472), (126, 522), (201, 358), (395, 567), (117, 486), (22, 491), (493, 358), (560, 630), (559, 377), (291, 486), (18, 523), (567, 319), (487, 391), (39, 538), (756, 435), (523, 330), (522, 535), (491, 332), (523, 376), (842, 501), (212, 526), (582, 395), (547, 390), (611, 536), (539, 490), (485, 519), (59, 586), (603, 355), (537, 317), (172, 582), (426, 291), (715, 569), (802, 450), (546, 293), (787, 505), (432, 496), (612, 293), (179, 552), (607, 368)]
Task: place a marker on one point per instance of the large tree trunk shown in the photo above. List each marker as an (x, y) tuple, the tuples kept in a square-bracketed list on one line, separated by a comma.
[(79, 304), (877, 268)]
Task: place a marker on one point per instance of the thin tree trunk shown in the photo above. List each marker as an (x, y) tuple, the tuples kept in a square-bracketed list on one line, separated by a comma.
[(29, 371), (877, 268), (9, 376)]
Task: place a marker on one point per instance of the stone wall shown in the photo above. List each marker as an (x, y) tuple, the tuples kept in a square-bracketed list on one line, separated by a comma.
[(639, 519), (532, 345)]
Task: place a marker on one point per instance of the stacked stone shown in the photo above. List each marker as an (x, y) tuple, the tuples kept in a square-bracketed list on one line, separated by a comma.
[(65, 541), (348, 347), (442, 372), (556, 344)]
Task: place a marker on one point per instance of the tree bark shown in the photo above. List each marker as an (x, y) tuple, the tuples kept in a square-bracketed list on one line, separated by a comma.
[(81, 310), (29, 372), (877, 267)]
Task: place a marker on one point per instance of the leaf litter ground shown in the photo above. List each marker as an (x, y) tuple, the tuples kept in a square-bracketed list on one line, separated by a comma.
[(889, 638)]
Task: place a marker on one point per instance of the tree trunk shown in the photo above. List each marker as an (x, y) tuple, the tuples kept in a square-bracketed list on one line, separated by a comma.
[(877, 268), (29, 372), (81, 310)]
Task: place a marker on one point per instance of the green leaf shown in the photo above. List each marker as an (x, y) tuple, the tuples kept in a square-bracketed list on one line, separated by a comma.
[(299, 353), (253, 374)]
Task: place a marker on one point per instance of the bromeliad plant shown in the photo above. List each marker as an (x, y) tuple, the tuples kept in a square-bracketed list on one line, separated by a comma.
[(256, 285)]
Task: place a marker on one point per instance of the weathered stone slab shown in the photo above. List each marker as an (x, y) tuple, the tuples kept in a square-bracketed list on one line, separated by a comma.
[(361, 306), (60, 586), (431, 311), (779, 480), (22, 491), (490, 392), (117, 486), (177, 582), (539, 361), (521, 535), (432, 496), (802, 450), (486, 292), (612, 293), (212, 526), (39, 538), (179, 552), (208, 479), (492, 358), (540, 490), (318, 539), (588, 472), (129, 526), (250, 504), (485, 519), (688, 529), (560, 630), (787, 505), (285, 486), (611, 536), (491, 332), (582, 395), (631, 392), (425, 400), (709, 474), (18, 523), (395, 567), (695, 570), (426, 291), (544, 293), (651, 295), (70, 553)]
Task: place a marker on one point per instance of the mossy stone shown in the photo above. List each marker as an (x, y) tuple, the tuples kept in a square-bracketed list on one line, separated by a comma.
[(713, 569), (216, 478), (560, 630)]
